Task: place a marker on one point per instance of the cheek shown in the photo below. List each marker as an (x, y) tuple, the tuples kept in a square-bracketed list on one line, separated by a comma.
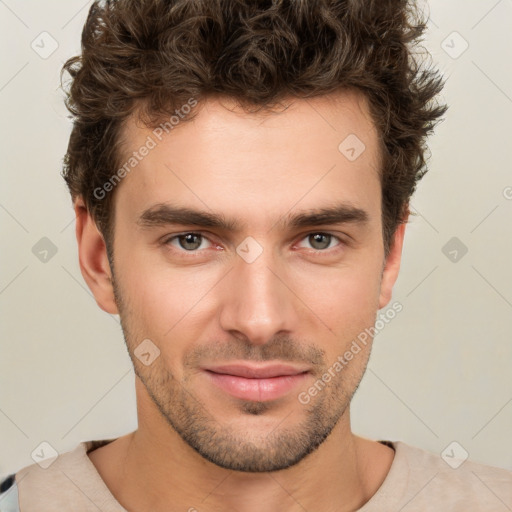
[(344, 298), (162, 297)]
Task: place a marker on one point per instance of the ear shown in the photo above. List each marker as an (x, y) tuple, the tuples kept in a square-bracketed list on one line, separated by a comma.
[(92, 256), (392, 265)]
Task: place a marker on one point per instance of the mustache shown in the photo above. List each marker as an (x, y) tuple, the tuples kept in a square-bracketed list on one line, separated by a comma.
[(281, 349)]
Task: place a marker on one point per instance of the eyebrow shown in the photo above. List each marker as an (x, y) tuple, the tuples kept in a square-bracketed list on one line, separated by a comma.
[(163, 214)]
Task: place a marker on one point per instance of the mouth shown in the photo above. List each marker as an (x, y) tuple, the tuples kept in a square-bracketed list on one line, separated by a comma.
[(261, 384)]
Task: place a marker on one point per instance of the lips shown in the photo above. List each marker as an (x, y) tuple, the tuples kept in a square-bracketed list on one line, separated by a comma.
[(257, 372), (261, 383)]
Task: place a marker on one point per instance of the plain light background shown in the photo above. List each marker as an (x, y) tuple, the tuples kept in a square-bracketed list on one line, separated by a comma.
[(439, 372)]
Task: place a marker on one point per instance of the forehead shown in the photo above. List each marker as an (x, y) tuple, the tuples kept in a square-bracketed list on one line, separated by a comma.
[(312, 151)]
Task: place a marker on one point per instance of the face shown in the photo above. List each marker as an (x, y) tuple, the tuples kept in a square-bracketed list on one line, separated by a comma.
[(288, 267)]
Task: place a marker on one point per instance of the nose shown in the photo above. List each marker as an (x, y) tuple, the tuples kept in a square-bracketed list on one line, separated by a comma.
[(258, 300)]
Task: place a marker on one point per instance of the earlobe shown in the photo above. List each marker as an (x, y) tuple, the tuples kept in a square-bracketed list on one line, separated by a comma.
[(392, 265), (93, 260)]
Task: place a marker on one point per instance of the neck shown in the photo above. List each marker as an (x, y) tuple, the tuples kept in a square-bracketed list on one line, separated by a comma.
[(153, 467)]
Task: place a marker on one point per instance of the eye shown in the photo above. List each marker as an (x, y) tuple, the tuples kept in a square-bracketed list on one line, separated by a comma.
[(188, 242), (194, 242), (321, 241)]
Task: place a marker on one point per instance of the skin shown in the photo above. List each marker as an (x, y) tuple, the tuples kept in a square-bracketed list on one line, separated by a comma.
[(301, 302)]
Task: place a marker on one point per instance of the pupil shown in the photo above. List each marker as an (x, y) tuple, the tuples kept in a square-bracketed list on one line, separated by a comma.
[(189, 240), (317, 238)]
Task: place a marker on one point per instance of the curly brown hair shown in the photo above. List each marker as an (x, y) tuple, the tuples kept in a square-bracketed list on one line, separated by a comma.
[(152, 56)]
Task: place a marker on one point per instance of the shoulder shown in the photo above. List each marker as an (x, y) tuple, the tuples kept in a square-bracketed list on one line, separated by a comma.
[(451, 477), (60, 479)]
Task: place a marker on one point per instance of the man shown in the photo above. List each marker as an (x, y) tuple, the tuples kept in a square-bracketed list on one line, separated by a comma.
[(241, 174)]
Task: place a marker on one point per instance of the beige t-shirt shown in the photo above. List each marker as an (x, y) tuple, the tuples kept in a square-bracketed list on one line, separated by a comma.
[(417, 481)]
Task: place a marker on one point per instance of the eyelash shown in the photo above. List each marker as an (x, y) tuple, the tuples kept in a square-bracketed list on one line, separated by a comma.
[(193, 253)]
